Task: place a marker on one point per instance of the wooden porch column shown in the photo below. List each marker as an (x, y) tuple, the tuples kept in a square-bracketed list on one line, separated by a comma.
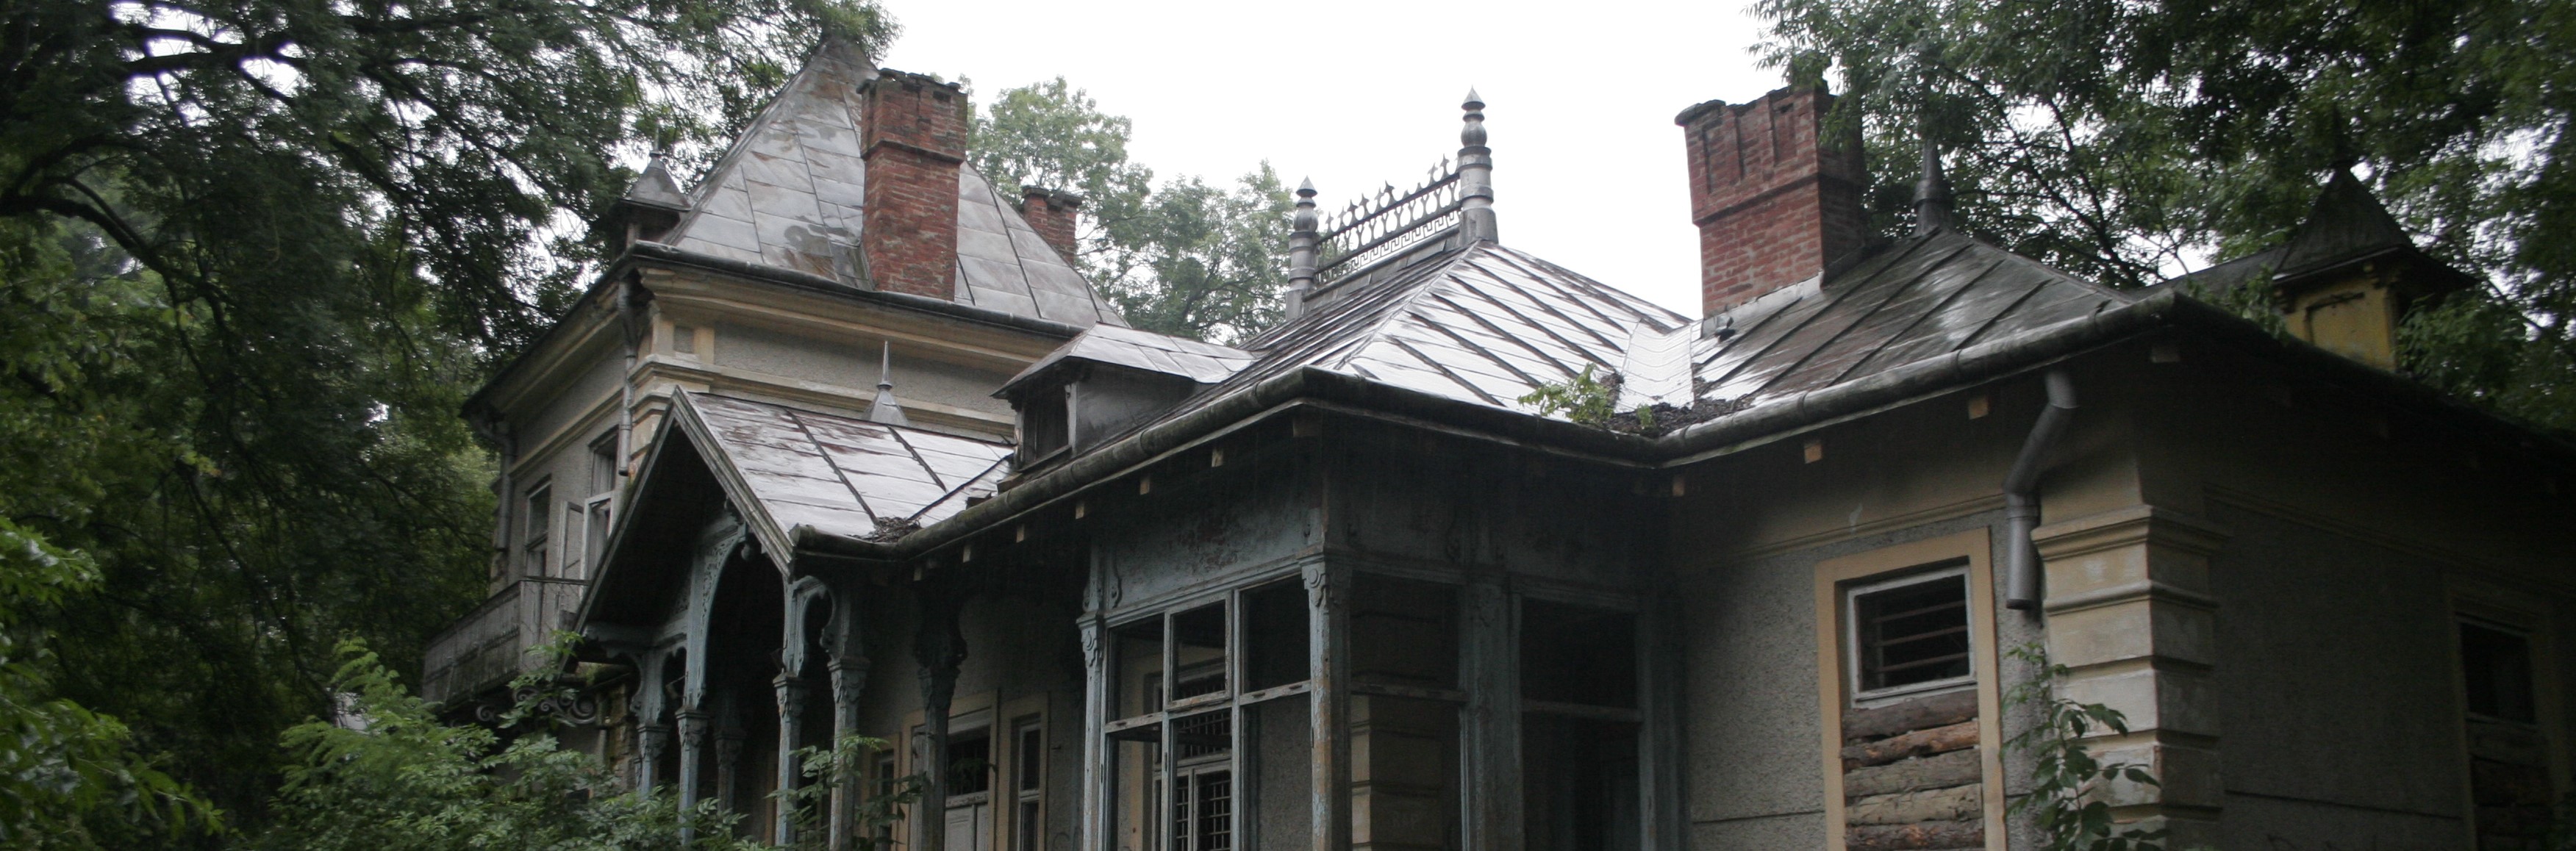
[(791, 725), (2131, 617), (693, 748), (846, 662), (849, 673), (1328, 655), (652, 737), (1096, 753), (1491, 756), (652, 740), (939, 647)]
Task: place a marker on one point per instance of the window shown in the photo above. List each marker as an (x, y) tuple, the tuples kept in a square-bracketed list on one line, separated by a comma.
[(2495, 664), (594, 515), (684, 339), (1028, 818), (1180, 682), (882, 788), (1043, 425), (1909, 634), (540, 521)]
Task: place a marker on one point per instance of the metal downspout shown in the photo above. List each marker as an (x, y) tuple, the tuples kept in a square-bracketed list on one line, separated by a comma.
[(2021, 493), (628, 317)]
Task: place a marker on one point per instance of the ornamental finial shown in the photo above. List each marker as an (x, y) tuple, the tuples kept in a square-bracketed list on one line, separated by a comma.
[(1475, 173), (1303, 243)]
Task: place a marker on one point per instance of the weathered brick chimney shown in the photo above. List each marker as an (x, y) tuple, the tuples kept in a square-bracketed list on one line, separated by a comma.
[(1773, 206), (912, 133), (1051, 213)]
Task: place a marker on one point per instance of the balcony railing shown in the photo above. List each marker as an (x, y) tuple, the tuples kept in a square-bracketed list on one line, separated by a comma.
[(488, 648)]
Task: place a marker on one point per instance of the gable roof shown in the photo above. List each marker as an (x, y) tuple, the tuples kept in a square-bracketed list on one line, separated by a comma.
[(786, 468), (790, 193)]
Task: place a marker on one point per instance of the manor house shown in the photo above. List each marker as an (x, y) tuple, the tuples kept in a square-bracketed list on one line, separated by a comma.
[(842, 443)]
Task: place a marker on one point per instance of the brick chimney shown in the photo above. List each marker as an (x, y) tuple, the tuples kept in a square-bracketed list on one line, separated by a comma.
[(912, 134), (1051, 214), (1773, 207)]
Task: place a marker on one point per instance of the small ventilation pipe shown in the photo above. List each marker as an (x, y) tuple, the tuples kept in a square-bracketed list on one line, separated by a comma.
[(2021, 493)]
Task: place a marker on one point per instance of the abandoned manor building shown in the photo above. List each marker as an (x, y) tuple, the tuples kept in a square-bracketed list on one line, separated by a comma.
[(841, 442)]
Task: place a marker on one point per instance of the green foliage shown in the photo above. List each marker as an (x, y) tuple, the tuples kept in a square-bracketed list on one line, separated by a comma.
[(827, 772), (382, 774), (1187, 257), (2067, 782), (1581, 399), (252, 257), (68, 777), (2119, 140)]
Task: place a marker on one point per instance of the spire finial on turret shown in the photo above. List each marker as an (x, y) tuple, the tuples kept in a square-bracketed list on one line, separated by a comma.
[(1475, 173), (1303, 240), (1932, 196), (885, 409)]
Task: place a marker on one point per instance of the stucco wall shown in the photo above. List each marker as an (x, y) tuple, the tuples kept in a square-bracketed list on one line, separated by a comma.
[(1753, 774), (854, 364), (2340, 721)]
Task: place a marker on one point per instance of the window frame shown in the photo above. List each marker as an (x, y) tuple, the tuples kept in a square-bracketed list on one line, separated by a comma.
[(534, 556), (1853, 649), (1975, 545)]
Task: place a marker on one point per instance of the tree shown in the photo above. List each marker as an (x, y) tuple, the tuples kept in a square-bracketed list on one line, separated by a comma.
[(68, 776), (383, 774), (1185, 258), (2123, 141), (252, 256)]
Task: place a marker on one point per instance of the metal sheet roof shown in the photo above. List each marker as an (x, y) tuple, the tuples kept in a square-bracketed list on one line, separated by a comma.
[(836, 474), (1483, 324), (1487, 324), (790, 191), (1205, 363), (1919, 298)]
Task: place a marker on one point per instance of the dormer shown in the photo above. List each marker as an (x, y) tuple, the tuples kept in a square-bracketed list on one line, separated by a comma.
[(650, 207), (1105, 381), (2346, 277), (2349, 275)]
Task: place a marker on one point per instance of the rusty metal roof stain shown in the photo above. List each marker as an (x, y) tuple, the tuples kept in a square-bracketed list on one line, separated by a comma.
[(789, 194)]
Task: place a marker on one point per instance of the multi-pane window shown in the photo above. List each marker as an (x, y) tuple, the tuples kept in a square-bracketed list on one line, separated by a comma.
[(1909, 634), (595, 511), (540, 516), (1183, 682), (882, 787), (1028, 786)]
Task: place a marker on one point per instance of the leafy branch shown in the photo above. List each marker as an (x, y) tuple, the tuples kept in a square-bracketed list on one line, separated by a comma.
[(2067, 781), (1583, 399)]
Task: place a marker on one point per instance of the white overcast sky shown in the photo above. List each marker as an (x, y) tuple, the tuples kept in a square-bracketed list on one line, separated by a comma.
[(1580, 98)]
